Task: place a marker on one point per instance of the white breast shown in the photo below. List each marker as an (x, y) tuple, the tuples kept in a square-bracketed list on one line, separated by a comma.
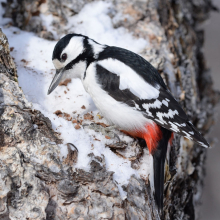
[(118, 113)]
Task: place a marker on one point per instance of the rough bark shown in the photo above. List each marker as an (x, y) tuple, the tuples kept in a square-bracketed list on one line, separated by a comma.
[(36, 184)]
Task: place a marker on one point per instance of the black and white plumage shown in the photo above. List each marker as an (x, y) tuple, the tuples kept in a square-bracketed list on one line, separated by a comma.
[(129, 92)]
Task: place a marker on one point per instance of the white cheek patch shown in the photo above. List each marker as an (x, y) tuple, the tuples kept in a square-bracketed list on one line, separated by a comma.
[(73, 49), (58, 65)]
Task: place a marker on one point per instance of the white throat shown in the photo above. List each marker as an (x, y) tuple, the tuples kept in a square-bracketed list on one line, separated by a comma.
[(77, 71)]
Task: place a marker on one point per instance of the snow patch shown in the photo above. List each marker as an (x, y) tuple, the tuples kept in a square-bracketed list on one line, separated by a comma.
[(35, 70)]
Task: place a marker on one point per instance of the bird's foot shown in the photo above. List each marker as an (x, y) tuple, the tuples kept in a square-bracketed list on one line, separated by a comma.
[(107, 131)]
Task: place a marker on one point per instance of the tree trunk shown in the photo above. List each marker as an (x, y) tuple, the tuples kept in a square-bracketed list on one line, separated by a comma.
[(29, 187)]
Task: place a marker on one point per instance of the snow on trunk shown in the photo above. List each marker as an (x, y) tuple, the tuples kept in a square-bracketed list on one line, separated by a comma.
[(57, 161)]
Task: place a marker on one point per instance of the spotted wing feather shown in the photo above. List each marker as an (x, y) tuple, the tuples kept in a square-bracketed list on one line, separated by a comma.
[(167, 112)]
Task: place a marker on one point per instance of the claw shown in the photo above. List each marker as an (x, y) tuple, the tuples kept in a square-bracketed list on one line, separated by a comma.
[(68, 145), (119, 140)]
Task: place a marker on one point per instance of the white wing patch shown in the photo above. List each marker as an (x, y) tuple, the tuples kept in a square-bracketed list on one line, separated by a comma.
[(129, 79)]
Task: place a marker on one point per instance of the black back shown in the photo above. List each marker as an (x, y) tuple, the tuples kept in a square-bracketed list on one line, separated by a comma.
[(136, 62)]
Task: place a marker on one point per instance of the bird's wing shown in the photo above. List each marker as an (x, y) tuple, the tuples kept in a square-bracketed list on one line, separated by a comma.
[(137, 63), (155, 102)]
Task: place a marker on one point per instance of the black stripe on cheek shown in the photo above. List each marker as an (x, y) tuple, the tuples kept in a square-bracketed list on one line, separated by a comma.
[(81, 57)]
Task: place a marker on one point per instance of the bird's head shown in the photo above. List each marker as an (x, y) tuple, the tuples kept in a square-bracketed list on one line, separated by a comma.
[(71, 55)]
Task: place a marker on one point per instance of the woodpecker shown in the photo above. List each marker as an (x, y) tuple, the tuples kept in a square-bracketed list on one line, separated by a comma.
[(129, 92)]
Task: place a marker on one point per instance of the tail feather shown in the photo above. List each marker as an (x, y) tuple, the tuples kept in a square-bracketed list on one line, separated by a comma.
[(196, 136), (158, 181), (159, 156)]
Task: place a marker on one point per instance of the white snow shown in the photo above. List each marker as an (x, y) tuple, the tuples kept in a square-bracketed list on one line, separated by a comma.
[(35, 70), (94, 21)]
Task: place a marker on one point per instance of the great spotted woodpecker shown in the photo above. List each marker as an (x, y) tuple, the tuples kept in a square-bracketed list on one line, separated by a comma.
[(130, 94)]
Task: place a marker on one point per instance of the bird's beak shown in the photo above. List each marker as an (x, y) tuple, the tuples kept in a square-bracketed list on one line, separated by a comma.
[(56, 80)]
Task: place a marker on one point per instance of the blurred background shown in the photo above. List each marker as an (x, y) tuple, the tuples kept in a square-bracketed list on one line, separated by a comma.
[(210, 209)]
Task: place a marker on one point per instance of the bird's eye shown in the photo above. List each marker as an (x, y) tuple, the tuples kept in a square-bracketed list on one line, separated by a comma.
[(64, 57)]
